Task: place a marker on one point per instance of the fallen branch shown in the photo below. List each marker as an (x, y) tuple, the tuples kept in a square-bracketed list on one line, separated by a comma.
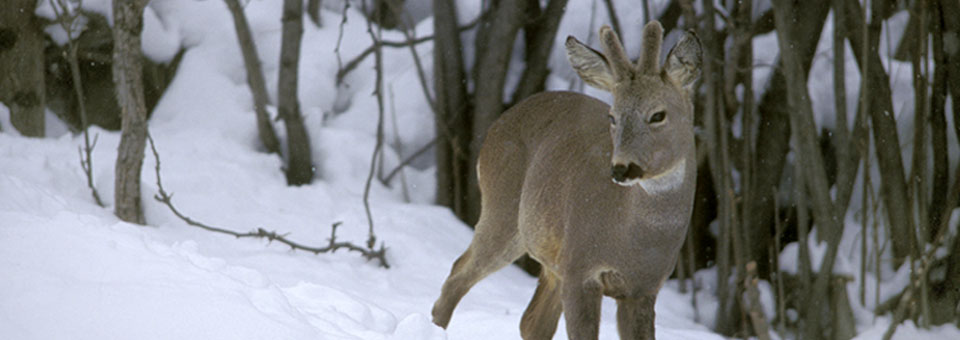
[(166, 198)]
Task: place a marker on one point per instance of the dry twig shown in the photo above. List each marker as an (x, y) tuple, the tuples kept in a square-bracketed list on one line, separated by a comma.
[(166, 198)]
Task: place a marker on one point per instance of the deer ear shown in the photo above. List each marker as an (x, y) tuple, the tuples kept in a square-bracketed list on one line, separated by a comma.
[(590, 64), (684, 61)]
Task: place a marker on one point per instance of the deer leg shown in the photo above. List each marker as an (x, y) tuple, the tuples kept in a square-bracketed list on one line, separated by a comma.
[(635, 317), (494, 246), (540, 319), (581, 307)]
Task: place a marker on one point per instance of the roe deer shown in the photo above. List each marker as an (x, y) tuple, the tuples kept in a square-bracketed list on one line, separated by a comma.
[(600, 196)]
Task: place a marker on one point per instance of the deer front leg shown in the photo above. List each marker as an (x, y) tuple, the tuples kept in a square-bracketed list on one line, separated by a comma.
[(635, 317), (581, 308)]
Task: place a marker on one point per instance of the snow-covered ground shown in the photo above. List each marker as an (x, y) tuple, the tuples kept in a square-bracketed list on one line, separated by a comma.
[(71, 270)]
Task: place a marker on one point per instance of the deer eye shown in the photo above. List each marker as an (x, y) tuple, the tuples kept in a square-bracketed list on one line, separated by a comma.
[(613, 120), (657, 117)]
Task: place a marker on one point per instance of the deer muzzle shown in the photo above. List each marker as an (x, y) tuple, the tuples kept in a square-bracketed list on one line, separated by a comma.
[(624, 174)]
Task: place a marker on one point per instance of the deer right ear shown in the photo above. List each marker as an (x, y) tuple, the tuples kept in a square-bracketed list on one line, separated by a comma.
[(684, 61), (590, 64)]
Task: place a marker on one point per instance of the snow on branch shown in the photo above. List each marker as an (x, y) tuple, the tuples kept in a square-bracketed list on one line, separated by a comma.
[(166, 198)]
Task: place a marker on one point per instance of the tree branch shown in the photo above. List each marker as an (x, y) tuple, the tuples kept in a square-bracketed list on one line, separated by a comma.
[(167, 199), (352, 64), (377, 148)]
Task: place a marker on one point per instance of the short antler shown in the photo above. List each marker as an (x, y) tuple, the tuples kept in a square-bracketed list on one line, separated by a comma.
[(622, 68), (649, 62)]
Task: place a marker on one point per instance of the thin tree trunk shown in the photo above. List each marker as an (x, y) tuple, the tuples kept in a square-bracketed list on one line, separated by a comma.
[(892, 175), (743, 60), (313, 10), (951, 27), (714, 117), (299, 164), (938, 123), (490, 73), (127, 25), (452, 123), (543, 32), (66, 19), (846, 162), (612, 15), (258, 86), (21, 67), (773, 129), (918, 178), (814, 173)]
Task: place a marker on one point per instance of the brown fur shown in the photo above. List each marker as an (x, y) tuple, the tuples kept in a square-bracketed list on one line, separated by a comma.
[(545, 176)]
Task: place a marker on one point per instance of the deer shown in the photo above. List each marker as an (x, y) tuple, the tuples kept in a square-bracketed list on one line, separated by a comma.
[(599, 195)]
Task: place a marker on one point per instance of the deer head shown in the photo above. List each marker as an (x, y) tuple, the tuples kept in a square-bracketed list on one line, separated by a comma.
[(651, 108)]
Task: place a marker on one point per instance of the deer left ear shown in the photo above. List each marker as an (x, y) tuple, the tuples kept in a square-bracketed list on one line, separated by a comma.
[(684, 61)]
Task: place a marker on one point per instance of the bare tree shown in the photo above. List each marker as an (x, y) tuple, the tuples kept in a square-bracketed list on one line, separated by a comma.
[(127, 66), (463, 117), (21, 66), (299, 164)]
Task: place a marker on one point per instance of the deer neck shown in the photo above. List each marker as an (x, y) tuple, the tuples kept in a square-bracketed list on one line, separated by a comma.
[(667, 181)]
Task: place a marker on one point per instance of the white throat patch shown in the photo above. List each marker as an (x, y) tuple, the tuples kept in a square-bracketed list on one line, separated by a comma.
[(665, 181)]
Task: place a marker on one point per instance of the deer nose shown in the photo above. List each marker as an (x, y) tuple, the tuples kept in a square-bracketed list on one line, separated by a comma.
[(619, 172), (623, 172)]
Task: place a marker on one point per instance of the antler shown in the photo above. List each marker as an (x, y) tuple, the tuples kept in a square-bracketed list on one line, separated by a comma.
[(649, 62), (613, 50)]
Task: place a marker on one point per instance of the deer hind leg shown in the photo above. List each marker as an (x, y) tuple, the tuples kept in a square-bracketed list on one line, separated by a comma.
[(495, 245), (635, 317), (581, 307), (541, 317)]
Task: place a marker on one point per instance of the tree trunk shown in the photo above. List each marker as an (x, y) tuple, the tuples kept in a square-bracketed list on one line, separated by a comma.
[(21, 67), (258, 86), (814, 173), (313, 10), (490, 73), (950, 10), (452, 123), (299, 164), (893, 185), (773, 133), (542, 30), (938, 123), (127, 25)]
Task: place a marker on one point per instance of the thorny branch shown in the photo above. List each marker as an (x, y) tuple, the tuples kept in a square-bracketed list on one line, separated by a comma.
[(166, 198), (378, 148)]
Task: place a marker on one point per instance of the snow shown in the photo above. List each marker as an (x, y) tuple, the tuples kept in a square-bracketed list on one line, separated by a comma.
[(73, 270)]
